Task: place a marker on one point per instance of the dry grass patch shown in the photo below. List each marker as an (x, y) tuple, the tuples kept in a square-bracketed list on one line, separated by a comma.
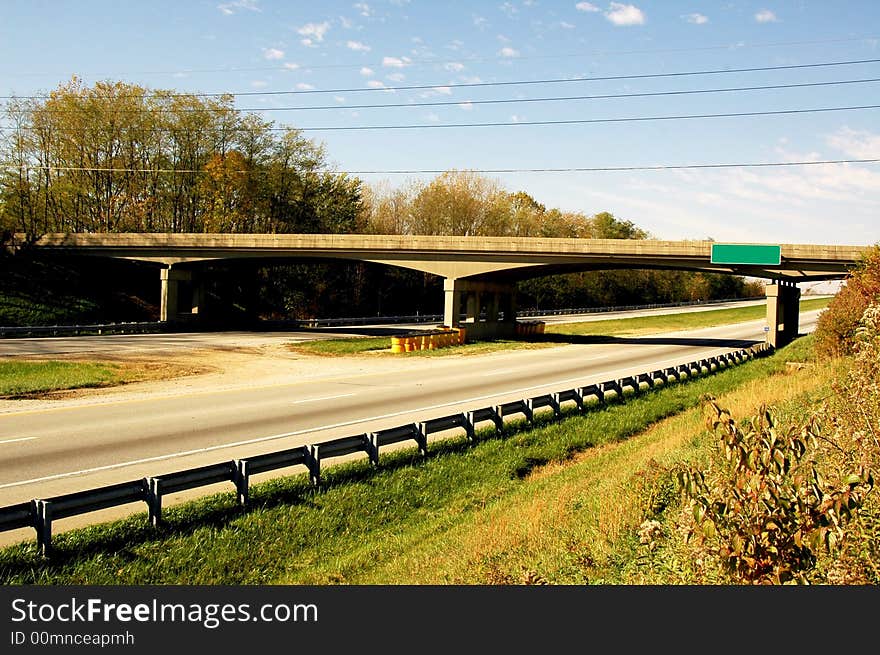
[(565, 524)]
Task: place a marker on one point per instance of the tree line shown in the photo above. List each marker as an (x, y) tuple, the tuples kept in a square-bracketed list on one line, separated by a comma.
[(119, 157)]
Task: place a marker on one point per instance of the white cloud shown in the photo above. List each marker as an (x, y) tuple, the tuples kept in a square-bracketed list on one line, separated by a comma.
[(765, 16), (454, 67), (480, 22), (858, 144), (696, 19), (347, 23), (397, 77), (339, 98), (623, 15), (376, 84), (586, 6), (273, 53), (363, 8), (230, 8), (507, 51), (516, 118), (509, 9), (432, 117), (467, 106), (443, 90), (304, 86), (357, 46), (396, 62), (313, 32), (366, 71), (291, 66), (566, 26)]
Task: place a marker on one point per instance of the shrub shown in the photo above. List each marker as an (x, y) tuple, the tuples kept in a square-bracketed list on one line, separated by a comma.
[(764, 508), (836, 329)]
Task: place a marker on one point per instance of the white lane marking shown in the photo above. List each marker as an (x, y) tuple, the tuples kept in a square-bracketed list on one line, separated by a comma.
[(297, 433), (312, 400), (522, 370), (503, 371), (17, 440)]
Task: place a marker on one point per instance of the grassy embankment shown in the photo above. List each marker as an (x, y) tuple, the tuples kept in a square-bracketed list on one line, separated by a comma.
[(556, 333), (559, 503)]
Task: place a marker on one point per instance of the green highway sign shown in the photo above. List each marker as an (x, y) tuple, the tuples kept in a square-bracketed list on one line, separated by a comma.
[(743, 253)]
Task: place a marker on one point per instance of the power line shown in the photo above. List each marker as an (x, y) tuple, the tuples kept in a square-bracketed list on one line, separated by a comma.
[(462, 85), (425, 61), (579, 121), (589, 169), (447, 103), (584, 121)]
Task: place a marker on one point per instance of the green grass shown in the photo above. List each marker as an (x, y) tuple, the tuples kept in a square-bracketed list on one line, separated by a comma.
[(381, 346), (21, 378), (367, 526), (673, 322)]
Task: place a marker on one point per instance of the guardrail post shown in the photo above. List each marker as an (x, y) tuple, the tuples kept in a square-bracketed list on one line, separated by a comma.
[(154, 502), (469, 428), (242, 477), (499, 424), (372, 446), (314, 464), (422, 439), (44, 527)]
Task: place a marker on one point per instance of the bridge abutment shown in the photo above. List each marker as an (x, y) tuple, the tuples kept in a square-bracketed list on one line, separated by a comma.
[(783, 312), (489, 307)]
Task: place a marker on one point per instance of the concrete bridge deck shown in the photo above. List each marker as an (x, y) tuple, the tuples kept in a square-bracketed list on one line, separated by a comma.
[(480, 272)]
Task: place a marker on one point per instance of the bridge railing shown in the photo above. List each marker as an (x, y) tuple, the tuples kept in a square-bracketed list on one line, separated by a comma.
[(39, 514)]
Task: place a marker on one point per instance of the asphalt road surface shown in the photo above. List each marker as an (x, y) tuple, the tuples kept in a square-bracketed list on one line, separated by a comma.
[(80, 445)]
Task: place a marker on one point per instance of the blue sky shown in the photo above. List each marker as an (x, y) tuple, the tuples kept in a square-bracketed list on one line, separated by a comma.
[(259, 46)]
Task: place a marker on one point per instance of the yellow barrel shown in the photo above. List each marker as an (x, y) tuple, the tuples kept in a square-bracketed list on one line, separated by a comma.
[(432, 341), (461, 336), (423, 342), (408, 344), (397, 345)]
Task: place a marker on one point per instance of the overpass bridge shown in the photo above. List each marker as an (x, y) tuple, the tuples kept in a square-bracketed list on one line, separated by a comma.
[(480, 273)]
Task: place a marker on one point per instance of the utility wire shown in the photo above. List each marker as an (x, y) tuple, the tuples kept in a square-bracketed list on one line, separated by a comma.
[(426, 61), (584, 121), (416, 87), (447, 103), (589, 169), (580, 121)]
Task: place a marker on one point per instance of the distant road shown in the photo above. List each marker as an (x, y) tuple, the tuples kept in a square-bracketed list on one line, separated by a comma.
[(157, 344)]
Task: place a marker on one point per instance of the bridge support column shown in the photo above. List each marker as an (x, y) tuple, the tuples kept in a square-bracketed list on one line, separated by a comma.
[(783, 312), (451, 303), (182, 297), (500, 297)]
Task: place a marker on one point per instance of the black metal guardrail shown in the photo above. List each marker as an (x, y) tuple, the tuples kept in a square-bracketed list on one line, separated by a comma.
[(39, 513), (149, 327), (144, 327)]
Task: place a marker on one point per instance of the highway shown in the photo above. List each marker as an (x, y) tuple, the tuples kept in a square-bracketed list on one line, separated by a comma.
[(74, 445)]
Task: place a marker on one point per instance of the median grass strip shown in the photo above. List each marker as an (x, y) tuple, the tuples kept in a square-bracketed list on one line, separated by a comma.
[(381, 346), (372, 525), (31, 378), (27, 377), (673, 322), (638, 326)]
